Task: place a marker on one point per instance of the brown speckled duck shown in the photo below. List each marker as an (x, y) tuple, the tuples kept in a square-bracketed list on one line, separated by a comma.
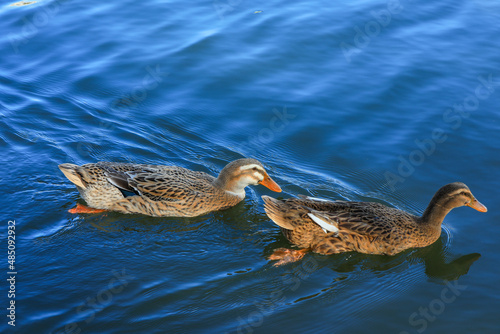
[(163, 190), (329, 227)]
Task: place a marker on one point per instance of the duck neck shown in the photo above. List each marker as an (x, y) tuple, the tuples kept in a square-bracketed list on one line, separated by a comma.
[(230, 185), (435, 213)]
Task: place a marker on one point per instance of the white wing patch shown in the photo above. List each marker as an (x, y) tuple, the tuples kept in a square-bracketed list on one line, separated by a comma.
[(319, 199), (327, 227)]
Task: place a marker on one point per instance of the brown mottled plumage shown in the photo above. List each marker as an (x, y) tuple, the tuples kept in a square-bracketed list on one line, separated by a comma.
[(329, 227), (164, 190)]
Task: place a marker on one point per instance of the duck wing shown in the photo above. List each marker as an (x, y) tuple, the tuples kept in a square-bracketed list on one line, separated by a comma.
[(158, 183), (360, 218), (367, 219)]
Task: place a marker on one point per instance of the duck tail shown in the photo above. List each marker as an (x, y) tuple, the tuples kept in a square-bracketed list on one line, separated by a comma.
[(277, 211), (75, 174)]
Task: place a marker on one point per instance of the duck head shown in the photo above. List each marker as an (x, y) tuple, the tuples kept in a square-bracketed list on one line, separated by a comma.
[(244, 172), (450, 196), (457, 194)]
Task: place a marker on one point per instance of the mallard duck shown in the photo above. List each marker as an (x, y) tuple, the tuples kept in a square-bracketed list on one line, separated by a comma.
[(157, 190), (329, 227)]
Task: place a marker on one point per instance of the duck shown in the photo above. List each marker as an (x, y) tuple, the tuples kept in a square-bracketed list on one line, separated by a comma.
[(163, 191), (331, 227)]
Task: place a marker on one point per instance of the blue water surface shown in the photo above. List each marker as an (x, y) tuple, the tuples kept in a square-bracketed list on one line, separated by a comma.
[(380, 101)]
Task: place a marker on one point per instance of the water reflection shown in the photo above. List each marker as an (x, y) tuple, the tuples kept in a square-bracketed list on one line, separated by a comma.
[(439, 265)]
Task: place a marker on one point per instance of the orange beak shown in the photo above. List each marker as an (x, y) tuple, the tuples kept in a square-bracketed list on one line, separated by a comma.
[(475, 204), (269, 183)]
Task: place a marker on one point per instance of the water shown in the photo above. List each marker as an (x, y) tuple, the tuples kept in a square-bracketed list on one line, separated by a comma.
[(342, 101)]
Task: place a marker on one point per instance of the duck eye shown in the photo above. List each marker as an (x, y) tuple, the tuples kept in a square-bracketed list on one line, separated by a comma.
[(255, 168)]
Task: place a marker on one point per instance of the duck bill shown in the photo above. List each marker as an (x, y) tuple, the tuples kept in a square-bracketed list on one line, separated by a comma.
[(269, 183), (475, 204)]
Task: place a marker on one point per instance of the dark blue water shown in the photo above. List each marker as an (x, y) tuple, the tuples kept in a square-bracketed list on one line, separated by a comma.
[(370, 100)]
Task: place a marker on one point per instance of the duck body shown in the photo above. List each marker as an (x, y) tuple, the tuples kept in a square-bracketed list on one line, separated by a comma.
[(158, 190), (329, 227), (364, 227)]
